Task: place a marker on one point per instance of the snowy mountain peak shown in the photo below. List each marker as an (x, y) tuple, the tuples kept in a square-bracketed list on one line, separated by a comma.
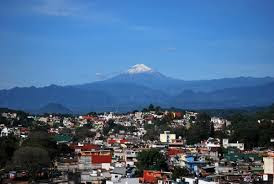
[(139, 68)]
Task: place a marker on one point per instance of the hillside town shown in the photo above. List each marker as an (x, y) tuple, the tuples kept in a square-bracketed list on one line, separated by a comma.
[(149, 146), (136, 92)]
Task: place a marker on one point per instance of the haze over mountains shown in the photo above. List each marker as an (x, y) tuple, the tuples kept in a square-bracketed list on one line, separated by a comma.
[(138, 87)]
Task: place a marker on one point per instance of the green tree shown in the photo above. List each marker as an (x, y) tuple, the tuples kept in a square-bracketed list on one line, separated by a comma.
[(8, 145), (108, 126), (145, 110), (40, 126), (179, 131), (151, 107), (89, 125), (65, 131), (203, 117), (246, 132), (151, 159), (152, 134), (158, 109), (32, 159), (4, 121), (92, 114), (42, 139), (266, 132), (64, 149), (197, 132), (179, 172), (82, 133)]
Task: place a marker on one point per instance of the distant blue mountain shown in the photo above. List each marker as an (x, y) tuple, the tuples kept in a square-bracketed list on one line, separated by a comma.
[(53, 108), (226, 98), (32, 98), (140, 86), (144, 76)]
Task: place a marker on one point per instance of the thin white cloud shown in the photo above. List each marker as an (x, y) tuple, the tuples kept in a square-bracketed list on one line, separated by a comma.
[(57, 8), (84, 10), (104, 76), (100, 76)]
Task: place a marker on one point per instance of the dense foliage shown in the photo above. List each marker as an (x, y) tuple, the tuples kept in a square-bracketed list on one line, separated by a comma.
[(179, 172), (8, 145), (200, 130), (151, 159), (82, 133), (254, 128), (41, 139), (32, 159), (116, 128)]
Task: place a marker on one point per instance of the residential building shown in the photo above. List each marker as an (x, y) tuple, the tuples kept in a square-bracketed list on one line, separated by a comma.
[(167, 137)]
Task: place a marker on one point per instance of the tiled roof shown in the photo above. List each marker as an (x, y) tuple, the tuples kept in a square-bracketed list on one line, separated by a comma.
[(85, 147), (99, 159), (174, 152)]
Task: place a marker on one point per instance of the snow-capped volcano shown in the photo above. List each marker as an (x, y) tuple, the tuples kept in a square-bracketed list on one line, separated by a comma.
[(139, 68), (142, 75)]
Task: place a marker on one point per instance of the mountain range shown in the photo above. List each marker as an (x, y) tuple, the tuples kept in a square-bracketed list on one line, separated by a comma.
[(138, 87)]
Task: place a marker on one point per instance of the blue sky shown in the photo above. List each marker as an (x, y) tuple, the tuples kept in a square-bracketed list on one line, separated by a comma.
[(64, 42)]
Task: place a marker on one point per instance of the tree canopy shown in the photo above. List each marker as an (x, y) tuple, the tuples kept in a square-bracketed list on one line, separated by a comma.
[(41, 139), (8, 145), (32, 159), (151, 159), (179, 172), (82, 132)]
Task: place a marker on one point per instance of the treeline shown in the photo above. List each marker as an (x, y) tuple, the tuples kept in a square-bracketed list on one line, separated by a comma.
[(194, 133), (35, 154), (254, 128), (21, 118)]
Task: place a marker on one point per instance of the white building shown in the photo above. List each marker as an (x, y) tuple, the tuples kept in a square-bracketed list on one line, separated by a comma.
[(268, 169), (43, 119), (198, 181), (130, 157), (212, 143), (125, 181), (138, 115), (220, 123), (238, 145), (167, 137), (269, 165), (141, 131), (5, 132)]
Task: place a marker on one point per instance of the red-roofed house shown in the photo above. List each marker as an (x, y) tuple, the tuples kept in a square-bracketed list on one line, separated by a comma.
[(88, 117), (123, 141), (118, 141), (100, 159), (153, 176), (172, 152), (112, 141), (95, 159), (84, 147), (178, 115)]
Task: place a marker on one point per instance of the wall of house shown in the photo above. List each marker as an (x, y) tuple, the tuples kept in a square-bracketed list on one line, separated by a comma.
[(269, 165), (166, 137), (192, 181)]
